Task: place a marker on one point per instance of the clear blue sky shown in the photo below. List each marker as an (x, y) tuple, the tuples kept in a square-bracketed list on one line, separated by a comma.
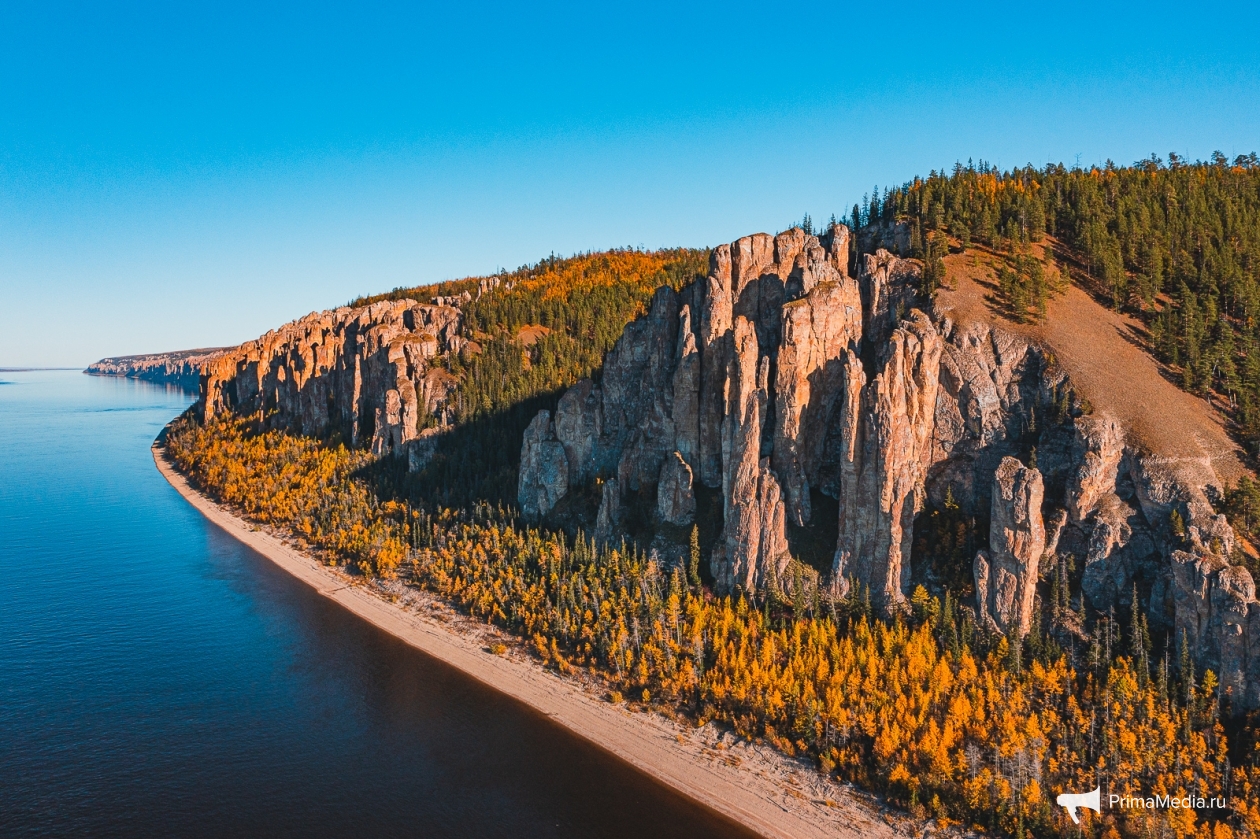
[(176, 175)]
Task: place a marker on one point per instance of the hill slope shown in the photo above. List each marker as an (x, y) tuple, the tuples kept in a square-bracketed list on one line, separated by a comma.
[(1106, 354)]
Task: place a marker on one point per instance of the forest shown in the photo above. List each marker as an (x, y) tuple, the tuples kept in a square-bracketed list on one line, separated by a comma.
[(581, 303), (946, 720), (1176, 243), (943, 718)]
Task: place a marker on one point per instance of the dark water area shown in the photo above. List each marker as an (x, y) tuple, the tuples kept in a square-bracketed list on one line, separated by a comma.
[(157, 678)]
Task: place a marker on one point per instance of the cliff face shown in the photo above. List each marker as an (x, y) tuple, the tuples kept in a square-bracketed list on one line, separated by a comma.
[(795, 379), (1006, 575), (364, 371), (177, 368), (787, 375)]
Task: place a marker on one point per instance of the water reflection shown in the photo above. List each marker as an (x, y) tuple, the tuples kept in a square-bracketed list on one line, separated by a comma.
[(159, 678)]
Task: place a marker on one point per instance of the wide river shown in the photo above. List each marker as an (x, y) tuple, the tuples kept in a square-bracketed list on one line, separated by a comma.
[(158, 678)]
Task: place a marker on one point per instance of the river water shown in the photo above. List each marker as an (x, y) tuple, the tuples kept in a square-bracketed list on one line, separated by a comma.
[(158, 678)]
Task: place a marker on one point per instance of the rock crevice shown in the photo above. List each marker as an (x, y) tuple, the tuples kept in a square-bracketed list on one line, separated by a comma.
[(780, 376)]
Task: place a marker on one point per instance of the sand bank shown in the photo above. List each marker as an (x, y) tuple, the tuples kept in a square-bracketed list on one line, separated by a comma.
[(755, 785)]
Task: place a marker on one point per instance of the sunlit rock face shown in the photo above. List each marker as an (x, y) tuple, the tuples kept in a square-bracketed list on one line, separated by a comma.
[(796, 377), (1006, 575), (366, 372)]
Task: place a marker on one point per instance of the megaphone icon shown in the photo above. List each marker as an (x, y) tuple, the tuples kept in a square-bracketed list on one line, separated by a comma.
[(1070, 801)]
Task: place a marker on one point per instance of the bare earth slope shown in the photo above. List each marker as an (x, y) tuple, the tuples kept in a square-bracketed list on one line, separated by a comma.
[(764, 790), (1103, 353)]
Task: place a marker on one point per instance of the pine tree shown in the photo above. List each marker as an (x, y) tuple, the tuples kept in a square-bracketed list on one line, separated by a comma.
[(693, 563)]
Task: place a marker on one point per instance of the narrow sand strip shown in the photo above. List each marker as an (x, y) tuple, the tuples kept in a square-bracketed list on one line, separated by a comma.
[(756, 786)]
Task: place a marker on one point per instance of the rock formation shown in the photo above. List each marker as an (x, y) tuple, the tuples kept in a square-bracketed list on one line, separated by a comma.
[(752, 551), (883, 487), (1100, 441), (1006, 576), (675, 499), (819, 330), (752, 380), (781, 377), (608, 521), (794, 377), (1217, 614), (182, 369), (366, 371), (544, 475)]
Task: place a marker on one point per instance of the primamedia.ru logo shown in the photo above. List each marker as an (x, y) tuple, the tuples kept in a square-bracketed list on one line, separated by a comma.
[(1094, 800), (1166, 802)]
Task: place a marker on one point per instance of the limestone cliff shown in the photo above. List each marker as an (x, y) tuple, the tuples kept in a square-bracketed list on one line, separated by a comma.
[(366, 372), (794, 373), (182, 369), (795, 392), (1006, 575), (1217, 613)]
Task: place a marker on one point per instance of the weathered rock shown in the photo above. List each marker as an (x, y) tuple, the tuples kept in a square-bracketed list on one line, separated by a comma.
[(183, 368), (1100, 441), (1007, 576), (637, 406), (579, 426), (889, 286), (818, 332), (675, 500), (387, 431), (1108, 574), (850, 456), (716, 320), (752, 551), (982, 573), (1217, 613), (991, 383), (777, 377), (1054, 529), (420, 451), (835, 242), (753, 278), (365, 371), (608, 520), (686, 384), (897, 421), (544, 473)]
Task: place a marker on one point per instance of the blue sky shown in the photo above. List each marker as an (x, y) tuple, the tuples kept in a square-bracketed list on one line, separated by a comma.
[(180, 175)]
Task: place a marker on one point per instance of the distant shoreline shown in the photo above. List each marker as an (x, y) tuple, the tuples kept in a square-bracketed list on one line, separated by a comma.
[(761, 789), (34, 369)]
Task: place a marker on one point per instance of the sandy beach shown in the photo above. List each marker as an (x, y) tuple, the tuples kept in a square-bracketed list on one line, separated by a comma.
[(753, 784)]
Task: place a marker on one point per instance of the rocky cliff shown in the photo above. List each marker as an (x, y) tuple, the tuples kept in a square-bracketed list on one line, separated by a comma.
[(182, 368), (796, 378), (366, 372), (801, 399)]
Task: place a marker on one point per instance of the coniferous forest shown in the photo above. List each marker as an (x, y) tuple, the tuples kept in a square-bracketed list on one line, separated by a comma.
[(927, 708), (1177, 243)]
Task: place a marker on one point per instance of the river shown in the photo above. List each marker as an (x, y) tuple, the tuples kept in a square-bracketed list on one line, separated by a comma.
[(158, 678)]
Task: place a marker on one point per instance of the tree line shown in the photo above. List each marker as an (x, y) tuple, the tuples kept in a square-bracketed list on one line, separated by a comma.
[(1175, 243), (943, 718)]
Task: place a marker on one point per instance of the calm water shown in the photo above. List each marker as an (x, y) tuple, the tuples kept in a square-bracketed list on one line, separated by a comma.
[(157, 678)]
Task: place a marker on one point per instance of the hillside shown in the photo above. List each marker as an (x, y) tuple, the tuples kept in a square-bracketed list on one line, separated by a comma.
[(905, 498), (1107, 355)]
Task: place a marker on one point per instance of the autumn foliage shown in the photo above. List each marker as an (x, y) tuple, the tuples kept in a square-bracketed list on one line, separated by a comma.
[(927, 709)]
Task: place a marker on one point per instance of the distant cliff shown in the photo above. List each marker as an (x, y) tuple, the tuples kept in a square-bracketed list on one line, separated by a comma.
[(181, 368)]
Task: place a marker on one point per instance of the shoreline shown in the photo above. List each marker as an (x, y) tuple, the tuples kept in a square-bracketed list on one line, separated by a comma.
[(762, 789)]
